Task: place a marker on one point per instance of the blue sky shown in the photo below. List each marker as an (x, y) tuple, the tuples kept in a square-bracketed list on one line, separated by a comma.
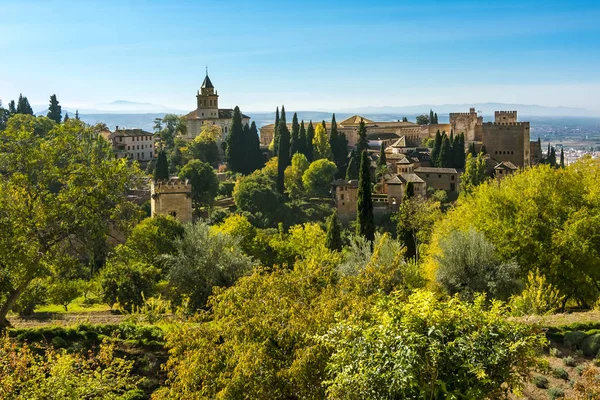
[(310, 55)]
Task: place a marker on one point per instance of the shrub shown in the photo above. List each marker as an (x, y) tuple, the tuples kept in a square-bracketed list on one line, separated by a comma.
[(554, 352), (591, 345), (573, 339), (541, 381), (538, 298), (127, 283), (569, 361), (555, 393), (560, 373), (588, 386), (579, 369)]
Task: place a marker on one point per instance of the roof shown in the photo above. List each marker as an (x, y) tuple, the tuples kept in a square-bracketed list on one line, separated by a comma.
[(399, 143), (411, 177), (394, 180), (207, 84), (224, 113), (433, 170), (355, 120), (381, 136), (132, 132), (506, 165)]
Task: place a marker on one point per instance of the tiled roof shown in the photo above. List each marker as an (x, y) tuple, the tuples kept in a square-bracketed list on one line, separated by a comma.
[(506, 165), (399, 143), (355, 120), (394, 181), (410, 177), (224, 113), (433, 170), (132, 132)]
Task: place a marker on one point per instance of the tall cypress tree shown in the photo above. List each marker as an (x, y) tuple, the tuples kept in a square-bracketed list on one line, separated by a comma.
[(283, 158), (483, 150), (333, 239), (295, 140), (552, 157), (362, 144), (11, 107), (257, 161), (460, 152), (77, 115), (445, 156), (365, 223), (353, 164), (562, 157), (54, 110), (66, 117), (235, 151), (302, 139), (437, 145), (275, 133), (382, 162), (23, 106), (431, 117), (436, 118), (161, 170), (310, 135), (339, 147)]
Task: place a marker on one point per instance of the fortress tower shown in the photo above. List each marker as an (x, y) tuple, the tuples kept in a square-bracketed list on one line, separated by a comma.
[(172, 197), (505, 116)]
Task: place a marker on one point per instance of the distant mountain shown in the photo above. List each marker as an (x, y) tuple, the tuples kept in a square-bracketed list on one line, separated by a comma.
[(115, 107)]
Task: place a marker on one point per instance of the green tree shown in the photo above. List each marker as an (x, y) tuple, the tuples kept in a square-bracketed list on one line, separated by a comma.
[(445, 156), (321, 146), (382, 161), (54, 110), (562, 157), (410, 190), (416, 218), (437, 145), (47, 203), (276, 133), (204, 146), (474, 174), (318, 177), (339, 148), (173, 125), (151, 238), (4, 115), (204, 182), (333, 240), (365, 222), (23, 106), (431, 117), (235, 143), (127, 283), (552, 157), (12, 108), (302, 139), (422, 120), (257, 194), (283, 156), (293, 176), (295, 138), (255, 158), (363, 143), (161, 171), (64, 291), (77, 115), (435, 118), (310, 135), (353, 164)]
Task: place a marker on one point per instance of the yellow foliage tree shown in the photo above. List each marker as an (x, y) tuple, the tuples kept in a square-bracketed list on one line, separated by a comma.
[(322, 148)]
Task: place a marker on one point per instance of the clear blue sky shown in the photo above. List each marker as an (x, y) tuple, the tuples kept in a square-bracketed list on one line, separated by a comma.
[(317, 55)]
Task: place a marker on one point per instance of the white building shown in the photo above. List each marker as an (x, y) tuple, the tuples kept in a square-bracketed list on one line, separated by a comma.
[(132, 144)]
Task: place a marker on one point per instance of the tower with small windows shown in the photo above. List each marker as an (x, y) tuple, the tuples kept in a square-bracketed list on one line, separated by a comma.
[(208, 99)]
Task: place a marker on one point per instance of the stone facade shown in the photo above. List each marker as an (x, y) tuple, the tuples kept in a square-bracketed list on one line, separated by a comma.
[(172, 197), (132, 144), (508, 142), (447, 179), (207, 112), (467, 123)]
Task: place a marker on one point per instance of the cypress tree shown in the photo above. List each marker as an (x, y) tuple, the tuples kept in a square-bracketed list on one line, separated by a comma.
[(436, 118), (235, 151), (445, 156), (410, 190), (362, 144), (310, 135), (552, 158), (23, 106), (431, 117), (302, 139), (66, 117), (437, 145), (275, 133), (283, 158), (365, 223), (562, 157), (77, 115), (339, 147), (472, 150), (11, 107), (548, 153), (382, 162), (257, 161), (295, 140), (460, 152), (333, 240), (161, 170), (352, 170), (54, 110)]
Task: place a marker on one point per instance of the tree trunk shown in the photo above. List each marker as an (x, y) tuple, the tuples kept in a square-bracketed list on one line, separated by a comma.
[(10, 302)]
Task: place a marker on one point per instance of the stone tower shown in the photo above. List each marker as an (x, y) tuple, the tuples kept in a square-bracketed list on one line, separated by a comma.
[(172, 197), (505, 116), (208, 99)]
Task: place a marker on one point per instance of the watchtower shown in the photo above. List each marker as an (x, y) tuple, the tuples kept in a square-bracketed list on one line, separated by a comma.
[(505, 116), (172, 197)]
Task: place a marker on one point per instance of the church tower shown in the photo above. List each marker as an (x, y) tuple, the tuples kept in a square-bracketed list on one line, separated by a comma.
[(208, 99)]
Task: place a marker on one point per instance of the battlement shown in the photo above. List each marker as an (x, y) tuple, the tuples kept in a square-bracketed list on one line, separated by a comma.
[(505, 116), (171, 186), (465, 114), (507, 124)]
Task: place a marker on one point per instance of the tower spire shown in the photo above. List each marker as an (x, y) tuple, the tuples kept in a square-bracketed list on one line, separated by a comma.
[(207, 70)]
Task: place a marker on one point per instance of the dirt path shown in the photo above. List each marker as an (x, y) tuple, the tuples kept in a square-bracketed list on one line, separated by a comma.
[(46, 319)]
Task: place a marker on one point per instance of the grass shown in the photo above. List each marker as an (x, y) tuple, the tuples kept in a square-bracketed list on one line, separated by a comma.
[(77, 306)]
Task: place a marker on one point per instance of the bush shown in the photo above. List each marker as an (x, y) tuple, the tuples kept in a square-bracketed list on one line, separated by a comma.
[(538, 298), (573, 339), (591, 345), (569, 361), (541, 381), (588, 386), (555, 393), (554, 352), (579, 369), (127, 284), (560, 373)]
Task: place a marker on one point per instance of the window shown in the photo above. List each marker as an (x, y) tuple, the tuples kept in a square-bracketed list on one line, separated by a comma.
[(142, 155), (173, 214), (439, 176), (342, 196), (426, 175), (120, 138), (452, 178)]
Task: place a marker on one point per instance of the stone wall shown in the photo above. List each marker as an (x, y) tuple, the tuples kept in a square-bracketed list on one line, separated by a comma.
[(505, 116), (508, 142), (172, 198)]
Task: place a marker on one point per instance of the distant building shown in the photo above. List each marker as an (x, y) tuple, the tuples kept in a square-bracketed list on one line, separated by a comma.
[(132, 144), (504, 168), (172, 197), (440, 178), (208, 112)]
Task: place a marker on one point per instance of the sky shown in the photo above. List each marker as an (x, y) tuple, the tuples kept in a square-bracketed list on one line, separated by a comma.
[(308, 55)]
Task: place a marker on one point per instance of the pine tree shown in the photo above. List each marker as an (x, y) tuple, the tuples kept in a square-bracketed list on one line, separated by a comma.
[(437, 145), (235, 151), (275, 133), (445, 156), (302, 139), (77, 115), (310, 135), (257, 160), (161, 170), (295, 140), (54, 110), (365, 223), (562, 157), (283, 157), (353, 164), (410, 190), (362, 144), (23, 106), (333, 240)]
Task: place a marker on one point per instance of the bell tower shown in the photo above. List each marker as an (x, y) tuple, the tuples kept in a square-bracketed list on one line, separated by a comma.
[(208, 99)]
